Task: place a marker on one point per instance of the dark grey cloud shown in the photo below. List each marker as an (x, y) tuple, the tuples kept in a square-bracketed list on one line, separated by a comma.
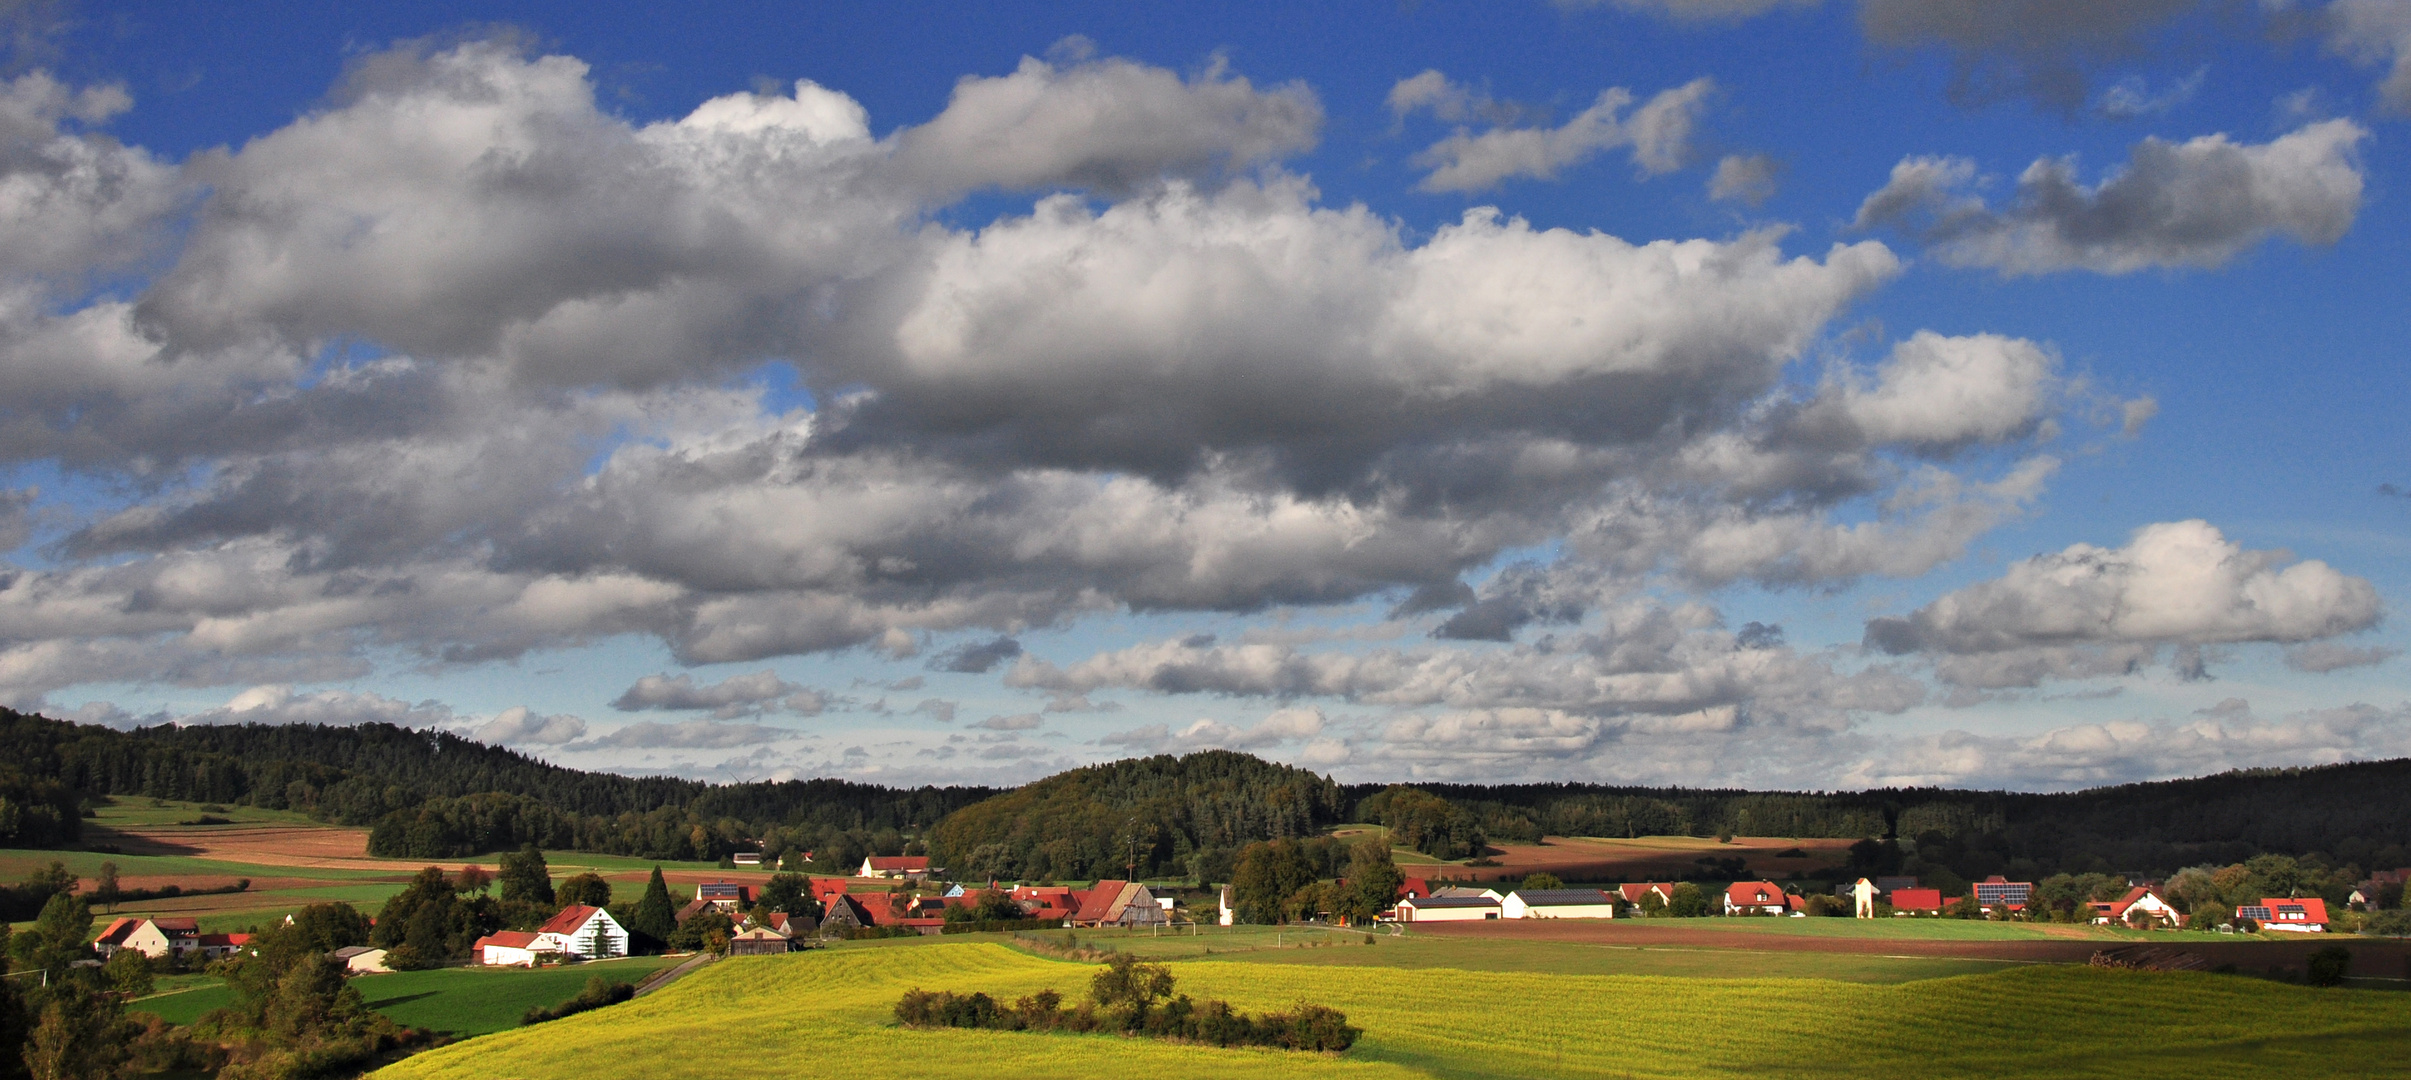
[(738, 695), (976, 658), (2047, 50), (2198, 203)]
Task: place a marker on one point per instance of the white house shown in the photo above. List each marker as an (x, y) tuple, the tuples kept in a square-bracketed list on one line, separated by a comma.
[(154, 938), (584, 932), (2300, 915), (1449, 908), (514, 948), (895, 866), (1558, 904), (1758, 898), (2138, 899)]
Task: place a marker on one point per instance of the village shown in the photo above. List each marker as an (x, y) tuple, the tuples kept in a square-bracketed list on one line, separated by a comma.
[(905, 895)]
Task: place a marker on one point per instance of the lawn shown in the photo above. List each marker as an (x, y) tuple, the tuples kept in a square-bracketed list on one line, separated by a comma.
[(461, 1001), (803, 1012)]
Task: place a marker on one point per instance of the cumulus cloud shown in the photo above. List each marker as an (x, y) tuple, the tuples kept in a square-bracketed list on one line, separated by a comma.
[(1017, 722), (2090, 610), (732, 697), (1658, 135), (681, 735), (1280, 727), (976, 658), (2044, 49), (2320, 657), (2375, 33), (2197, 203), (2226, 736), (284, 705), (74, 202), (521, 726), (1748, 179)]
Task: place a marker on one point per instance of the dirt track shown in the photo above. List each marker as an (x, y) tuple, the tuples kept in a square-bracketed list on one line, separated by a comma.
[(2383, 958)]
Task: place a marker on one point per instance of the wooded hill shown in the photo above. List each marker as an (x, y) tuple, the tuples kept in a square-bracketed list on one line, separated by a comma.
[(435, 795)]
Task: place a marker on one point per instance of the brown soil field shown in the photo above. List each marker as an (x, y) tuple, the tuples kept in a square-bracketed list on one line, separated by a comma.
[(1656, 858), (2381, 957), (321, 847)]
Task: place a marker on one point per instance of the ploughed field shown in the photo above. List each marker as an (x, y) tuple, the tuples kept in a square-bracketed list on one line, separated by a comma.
[(819, 1013)]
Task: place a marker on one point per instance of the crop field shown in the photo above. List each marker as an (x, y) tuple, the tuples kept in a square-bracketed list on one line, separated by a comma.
[(461, 1001), (804, 1012)]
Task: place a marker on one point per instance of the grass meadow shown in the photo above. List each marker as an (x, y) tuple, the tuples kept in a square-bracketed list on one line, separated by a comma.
[(811, 1013), (460, 1001)]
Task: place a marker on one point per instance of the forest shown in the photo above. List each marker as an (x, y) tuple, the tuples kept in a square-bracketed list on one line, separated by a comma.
[(436, 795)]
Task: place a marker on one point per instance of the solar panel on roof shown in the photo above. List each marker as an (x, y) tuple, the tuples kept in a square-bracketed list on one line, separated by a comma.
[(2255, 911)]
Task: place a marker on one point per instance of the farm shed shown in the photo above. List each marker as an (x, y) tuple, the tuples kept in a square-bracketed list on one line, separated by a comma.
[(895, 866), (759, 941), (1449, 909), (1558, 904), (513, 948)]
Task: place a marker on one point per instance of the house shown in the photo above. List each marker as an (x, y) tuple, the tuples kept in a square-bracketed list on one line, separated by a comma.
[(728, 896), (1119, 903), (1632, 892), (1414, 888), (824, 888), (2140, 899), (215, 946), (841, 914), (361, 960), (760, 941), (154, 938), (895, 866), (2295, 915), (584, 932), (1559, 904), (746, 858), (2000, 892), (1445, 892), (1046, 901), (1916, 901), (794, 926), (1759, 898), (514, 948), (1450, 909)]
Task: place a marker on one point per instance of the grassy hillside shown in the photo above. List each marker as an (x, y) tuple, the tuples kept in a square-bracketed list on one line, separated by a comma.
[(809, 1013), (462, 1001)]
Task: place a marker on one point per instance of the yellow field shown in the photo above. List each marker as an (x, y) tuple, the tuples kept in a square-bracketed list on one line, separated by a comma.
[(828, 1013)]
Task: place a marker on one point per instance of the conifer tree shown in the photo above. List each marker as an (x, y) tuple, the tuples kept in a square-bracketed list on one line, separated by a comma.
[(656, 916)]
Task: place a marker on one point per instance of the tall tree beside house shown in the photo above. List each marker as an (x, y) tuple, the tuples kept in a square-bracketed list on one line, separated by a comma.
[(105, 889), (525, 877), (588, 888), (430, 922), (57, 939), (1268, 875), (1688, 902), (792, 893), (656, 916), (1373, 881)]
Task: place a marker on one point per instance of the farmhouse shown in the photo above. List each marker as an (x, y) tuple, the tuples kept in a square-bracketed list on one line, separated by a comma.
[(895, 866), (1632, 892), (361, 960), (1450, 909), (728, 896), (841, 913), (1120, 903), (2139, 903), (1558, 904), (514, 948), (153, 938), (2296, 915), (1759, 898), (1046, 901), (2000, 892), (1916, 901), (215, 946), (759, 941), (584, 932)]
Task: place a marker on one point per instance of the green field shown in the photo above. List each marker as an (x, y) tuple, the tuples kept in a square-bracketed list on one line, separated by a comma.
[(803, 1013), (461, 1001)]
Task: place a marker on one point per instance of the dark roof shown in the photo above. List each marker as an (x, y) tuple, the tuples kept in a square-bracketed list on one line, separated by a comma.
[(1562, 897), (1452, 901)]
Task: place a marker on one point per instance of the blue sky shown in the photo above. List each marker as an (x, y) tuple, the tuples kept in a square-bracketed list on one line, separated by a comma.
[(1771, 392)]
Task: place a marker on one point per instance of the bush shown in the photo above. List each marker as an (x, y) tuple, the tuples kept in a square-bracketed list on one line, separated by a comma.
[(2328, 966), (1123, 997), (598, 993)]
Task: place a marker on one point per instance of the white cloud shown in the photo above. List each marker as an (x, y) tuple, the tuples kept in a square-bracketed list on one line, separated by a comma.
[(279, 704), (1018, 722), (2378, 33), (681, 735), (520, 726), (730, 698), (1658, 135), (2224, 737), (2091, 610), (1748, 179), (2132, 97), (2198, 203), (1280, 727)]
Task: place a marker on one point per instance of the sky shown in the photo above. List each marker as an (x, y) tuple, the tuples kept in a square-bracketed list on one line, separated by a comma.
[(1805, 394)]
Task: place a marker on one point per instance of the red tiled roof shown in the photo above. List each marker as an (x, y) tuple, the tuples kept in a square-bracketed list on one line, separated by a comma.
[(177, 926), (823, 888), (1098, 904), (1634, 891), (1414, 886), (899, 862), (509, 939), (569, 920), (1917, 899), (2314, 909), (1754, 894), (117, 931), (223, 941)]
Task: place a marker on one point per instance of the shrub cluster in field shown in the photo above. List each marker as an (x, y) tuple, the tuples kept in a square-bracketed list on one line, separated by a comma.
[(1125, 998), (598, 993)]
